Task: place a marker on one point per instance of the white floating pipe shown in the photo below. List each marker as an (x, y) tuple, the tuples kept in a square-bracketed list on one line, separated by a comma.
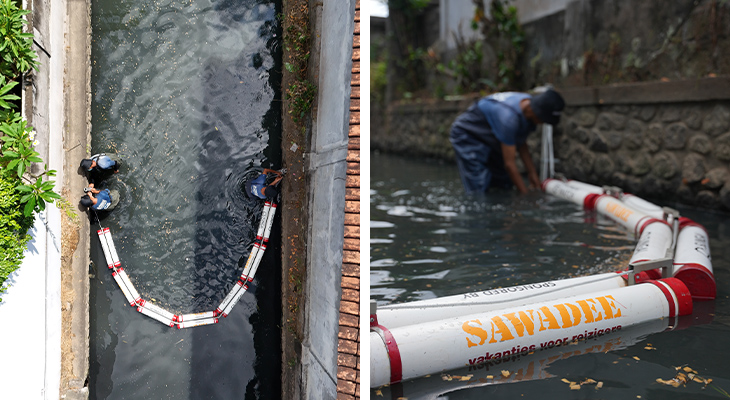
[(692, 260), (197, 322), (105, 248), (255, 266), (125, 278), (146, 311), (418, 350), (241, 291), (269, 222), (417, 312), (250, 261), (615, 209), (229, 296), (521, 367), (195, 316), (112, 248), (585, 186), (654, 243), (157, 309), (642, 205), (262, 223), (132, 301), (578, 195)]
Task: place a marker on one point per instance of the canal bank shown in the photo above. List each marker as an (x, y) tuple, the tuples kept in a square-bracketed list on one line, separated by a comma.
[(323, 156)]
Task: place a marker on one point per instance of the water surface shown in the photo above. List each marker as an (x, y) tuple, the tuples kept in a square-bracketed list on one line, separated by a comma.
[(430, 240), (186, 92)]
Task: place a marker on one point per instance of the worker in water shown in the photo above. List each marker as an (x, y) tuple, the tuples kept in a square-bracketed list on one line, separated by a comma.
[(258, 188), (105, 199), (99, 167), (488, 136)]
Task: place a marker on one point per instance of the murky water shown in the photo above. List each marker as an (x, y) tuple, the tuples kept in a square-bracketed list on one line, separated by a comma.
[(186, 92), (429, 240)]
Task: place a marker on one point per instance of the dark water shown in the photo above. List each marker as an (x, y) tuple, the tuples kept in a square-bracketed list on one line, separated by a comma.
[(429, 240), (187, 94)]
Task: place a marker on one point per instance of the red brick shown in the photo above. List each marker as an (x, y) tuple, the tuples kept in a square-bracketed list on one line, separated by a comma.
[(357, 391), (352, 270), (349, 320), (349, 333), (352, 194), (356, 54), (353, 156), (347, 360), (353, 143), (352, 207), (355, 94), (347, 346), (352, 231), (347, 374), (352, 181), (350, 256), (352, 219), (352, 244), (351, 295), (355, 116), (350, 283), (355, 70), (346, 387), (350, 307), (353, 168), (343, 396)]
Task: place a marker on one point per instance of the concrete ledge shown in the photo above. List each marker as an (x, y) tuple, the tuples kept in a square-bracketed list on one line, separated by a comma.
[(694, 90)]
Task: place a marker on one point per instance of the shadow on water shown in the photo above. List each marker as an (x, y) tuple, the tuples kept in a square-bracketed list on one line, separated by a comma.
[(226, 225)]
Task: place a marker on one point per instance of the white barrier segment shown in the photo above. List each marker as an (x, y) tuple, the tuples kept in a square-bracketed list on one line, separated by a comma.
[(654, 242), (585, 186), (256, 263), (125, 278), (269, 222), (642, 205), (624, 215), (416, 312), (105, 248), (157, 309), (122, 286), (693, 262), (195, 316), (437, 346), (197, 322), (112, 248), (566, 192), (234, 300), (262, 223), (229, 296), (155, 316), (250, 261), (522, 367)]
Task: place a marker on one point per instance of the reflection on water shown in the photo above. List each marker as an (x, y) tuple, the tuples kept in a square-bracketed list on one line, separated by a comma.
[(187, 94), (430, 240)]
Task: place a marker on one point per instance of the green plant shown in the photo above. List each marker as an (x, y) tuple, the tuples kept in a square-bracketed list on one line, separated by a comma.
[(17, 155), (5, 96), (13, 227), (15, 45)]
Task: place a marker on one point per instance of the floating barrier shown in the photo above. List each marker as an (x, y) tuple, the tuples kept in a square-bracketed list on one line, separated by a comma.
[(397, 315), (642, 205), (269, 222), (197, 322), (196, 316), (197, 319), (692, 262), (417, 350)]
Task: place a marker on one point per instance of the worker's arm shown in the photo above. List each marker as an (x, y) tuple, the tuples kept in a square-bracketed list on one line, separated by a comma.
[(529, 166), (277, 180), (509, 153), (271, 171)]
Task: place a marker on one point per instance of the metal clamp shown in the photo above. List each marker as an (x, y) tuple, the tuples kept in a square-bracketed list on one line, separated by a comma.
[(613, 191), (664, 263)]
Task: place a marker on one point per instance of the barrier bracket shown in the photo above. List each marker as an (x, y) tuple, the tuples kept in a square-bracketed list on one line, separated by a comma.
[(664, 263)]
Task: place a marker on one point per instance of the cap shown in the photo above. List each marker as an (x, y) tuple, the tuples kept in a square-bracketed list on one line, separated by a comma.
[(86, 164), (547, 106), (86, 201)]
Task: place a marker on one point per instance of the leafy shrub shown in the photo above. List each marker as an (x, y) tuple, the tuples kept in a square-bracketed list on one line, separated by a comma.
[(16, 54), (14, 226)]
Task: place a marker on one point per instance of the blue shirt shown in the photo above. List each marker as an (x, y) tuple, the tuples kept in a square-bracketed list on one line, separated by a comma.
[(103, 200), (104, 162), (505, 117), (257, 185)]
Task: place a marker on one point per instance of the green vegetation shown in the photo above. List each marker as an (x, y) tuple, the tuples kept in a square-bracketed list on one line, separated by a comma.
[(301, 92), (21, 192)]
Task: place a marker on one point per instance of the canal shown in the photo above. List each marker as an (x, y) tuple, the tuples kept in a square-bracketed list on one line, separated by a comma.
[(430, 240), (187, 94)]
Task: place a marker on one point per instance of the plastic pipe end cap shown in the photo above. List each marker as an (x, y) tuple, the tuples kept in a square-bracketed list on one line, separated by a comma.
[(684, 297), (699, 280)]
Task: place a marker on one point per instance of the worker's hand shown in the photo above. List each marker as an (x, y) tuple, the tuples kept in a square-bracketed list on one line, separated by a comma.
[(87, 189), (282, 171)]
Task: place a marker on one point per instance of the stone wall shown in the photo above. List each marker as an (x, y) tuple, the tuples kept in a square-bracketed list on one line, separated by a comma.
[(668, 140)]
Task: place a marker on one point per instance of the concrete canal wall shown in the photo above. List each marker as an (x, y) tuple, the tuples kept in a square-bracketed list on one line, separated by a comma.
[(656, 139)]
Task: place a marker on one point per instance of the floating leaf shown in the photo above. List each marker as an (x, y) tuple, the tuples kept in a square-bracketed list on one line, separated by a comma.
[(574, 387), (599, 385), (505, 373)]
